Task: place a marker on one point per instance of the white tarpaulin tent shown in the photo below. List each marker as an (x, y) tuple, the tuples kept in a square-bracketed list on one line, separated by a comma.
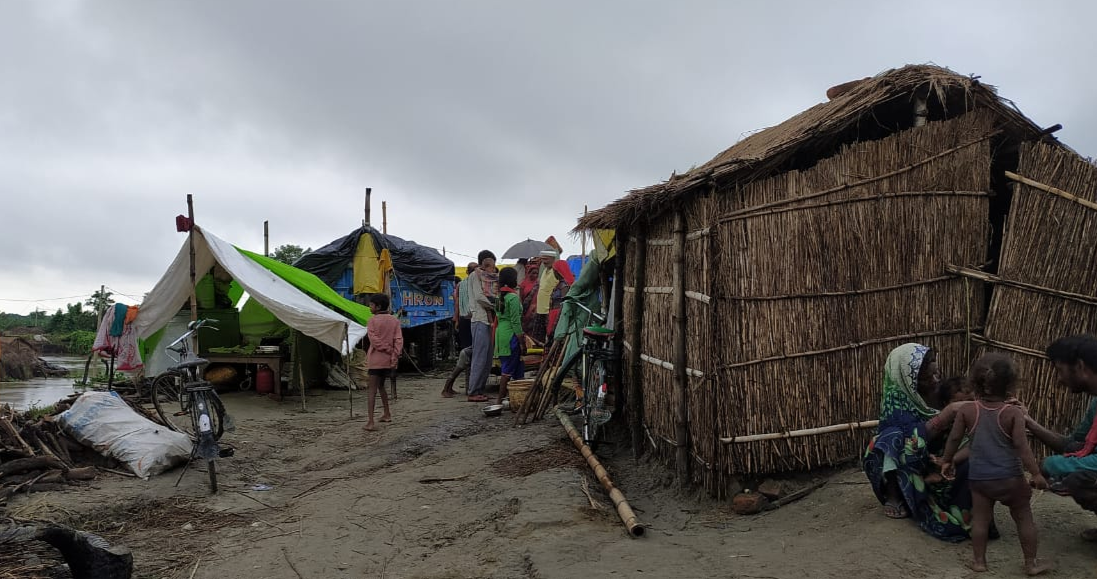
[(289, 304)]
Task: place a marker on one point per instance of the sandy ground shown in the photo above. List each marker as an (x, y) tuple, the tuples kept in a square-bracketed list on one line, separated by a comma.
[(346, 503)]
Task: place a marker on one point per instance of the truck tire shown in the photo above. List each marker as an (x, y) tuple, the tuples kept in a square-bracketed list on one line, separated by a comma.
[(425, 346), (444, 345)]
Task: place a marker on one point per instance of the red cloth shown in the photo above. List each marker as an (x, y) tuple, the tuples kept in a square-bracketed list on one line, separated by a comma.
[(386, 341), (563, 271), (1090, 444)]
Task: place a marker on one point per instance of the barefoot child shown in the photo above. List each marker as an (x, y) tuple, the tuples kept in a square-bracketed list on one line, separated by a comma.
[(385, 344), (999, 449), (510, 341)]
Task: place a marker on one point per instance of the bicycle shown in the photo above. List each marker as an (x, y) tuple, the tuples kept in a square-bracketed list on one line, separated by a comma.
[(189, 404), (593, 363)]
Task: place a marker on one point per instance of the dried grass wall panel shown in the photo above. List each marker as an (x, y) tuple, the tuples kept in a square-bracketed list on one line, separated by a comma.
[(813, 294), (1048, 243)]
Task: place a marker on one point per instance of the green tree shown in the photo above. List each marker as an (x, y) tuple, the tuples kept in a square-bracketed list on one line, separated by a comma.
[(99, 302), (289, 253)]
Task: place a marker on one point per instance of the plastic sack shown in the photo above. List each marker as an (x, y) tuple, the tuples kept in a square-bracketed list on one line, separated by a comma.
[(103, 421)]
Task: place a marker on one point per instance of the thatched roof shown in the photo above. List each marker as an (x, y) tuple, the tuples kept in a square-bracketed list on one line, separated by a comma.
[(870, 109)]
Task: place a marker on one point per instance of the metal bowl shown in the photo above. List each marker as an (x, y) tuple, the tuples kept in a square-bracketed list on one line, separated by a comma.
[(493, 410)]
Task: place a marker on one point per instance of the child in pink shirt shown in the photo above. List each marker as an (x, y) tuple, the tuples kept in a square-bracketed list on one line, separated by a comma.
[(385, 344)]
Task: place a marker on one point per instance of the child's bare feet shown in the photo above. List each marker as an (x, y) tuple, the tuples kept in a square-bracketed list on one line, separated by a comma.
[(1037, 567), (976, 566), (370, 427), (386, 418)]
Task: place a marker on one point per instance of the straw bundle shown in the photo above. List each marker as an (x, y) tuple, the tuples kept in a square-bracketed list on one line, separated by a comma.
[(1044, 246)]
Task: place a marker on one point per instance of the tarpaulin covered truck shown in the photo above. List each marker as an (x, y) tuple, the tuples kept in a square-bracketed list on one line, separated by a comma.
[(417, 278)]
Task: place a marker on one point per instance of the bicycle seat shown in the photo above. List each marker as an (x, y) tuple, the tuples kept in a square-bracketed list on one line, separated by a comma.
[(195, 363), (598, 332)]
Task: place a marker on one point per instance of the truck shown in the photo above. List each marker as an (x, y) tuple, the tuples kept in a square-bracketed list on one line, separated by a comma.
[(418, 279)]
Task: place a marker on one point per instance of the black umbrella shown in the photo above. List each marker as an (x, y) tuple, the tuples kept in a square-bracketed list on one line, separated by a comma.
[(527, 248)]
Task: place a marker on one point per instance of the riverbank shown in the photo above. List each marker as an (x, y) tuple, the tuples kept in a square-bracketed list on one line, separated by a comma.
[(443, 492), (39, 392)]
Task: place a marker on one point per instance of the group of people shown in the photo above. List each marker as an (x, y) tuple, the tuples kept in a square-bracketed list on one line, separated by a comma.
[(499, 312), (947, 451)]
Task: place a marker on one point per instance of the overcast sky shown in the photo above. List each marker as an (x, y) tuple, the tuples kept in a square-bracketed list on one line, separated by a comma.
[(480, 123)]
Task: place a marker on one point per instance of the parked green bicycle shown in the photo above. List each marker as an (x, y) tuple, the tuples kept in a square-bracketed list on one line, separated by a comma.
[(592, 366)]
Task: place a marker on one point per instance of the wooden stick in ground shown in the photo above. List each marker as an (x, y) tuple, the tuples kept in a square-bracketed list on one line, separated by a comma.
[(634, 527), (681, 379), (635, 328)]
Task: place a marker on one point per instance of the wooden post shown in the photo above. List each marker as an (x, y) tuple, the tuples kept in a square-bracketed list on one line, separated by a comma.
[(583, 251), (385, 217), (681, 379), (193, 280), (618, 315), (635, 327), (365, 222), (298, 370), (266, 238)]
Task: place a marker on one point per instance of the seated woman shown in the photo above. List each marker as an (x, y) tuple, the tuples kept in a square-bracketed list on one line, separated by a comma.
[(900, 454)]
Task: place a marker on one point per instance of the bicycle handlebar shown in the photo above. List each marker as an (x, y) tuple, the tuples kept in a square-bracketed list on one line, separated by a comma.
[(601, 318), (192, 327)]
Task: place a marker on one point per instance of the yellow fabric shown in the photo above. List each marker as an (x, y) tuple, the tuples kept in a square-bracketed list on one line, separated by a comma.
[(544, 289), (604, 244), (384, 266), (367, 273)]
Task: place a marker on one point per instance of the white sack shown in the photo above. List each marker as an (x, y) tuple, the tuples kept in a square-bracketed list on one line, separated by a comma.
[(106, 423)]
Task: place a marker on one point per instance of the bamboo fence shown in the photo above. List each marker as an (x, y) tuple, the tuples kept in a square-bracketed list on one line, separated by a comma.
[(794, 298), (1046, 285)]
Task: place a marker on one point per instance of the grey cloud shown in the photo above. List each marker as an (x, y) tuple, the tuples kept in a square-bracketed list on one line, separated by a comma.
[(481, 123)]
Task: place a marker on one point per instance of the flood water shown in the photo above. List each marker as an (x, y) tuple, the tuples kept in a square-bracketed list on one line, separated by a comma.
[(43, 391)]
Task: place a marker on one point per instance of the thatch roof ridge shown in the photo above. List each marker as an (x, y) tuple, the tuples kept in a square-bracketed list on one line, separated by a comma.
[(762, 152)]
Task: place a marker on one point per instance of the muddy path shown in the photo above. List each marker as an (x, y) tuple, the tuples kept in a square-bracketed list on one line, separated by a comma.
[(443, 492)]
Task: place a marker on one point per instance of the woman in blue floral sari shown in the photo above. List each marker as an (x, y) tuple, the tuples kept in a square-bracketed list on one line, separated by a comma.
[(909, 437)]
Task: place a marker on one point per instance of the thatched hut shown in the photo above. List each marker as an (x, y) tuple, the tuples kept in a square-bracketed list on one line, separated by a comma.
[(764, 289)]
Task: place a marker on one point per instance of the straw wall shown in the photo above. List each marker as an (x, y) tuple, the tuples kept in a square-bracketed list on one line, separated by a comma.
[(1049, 243), (813, 276)]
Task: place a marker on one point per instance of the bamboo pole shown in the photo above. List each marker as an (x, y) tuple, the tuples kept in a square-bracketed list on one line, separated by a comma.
[(851, 346), (346, 359), (1053, 190), (681, 380), (852, 426), (968, 272), (618, 302), (635, 410), (193, 279), (628, 517)]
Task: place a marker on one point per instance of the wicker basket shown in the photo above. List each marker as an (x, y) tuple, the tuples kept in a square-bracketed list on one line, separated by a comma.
[(517, 390)]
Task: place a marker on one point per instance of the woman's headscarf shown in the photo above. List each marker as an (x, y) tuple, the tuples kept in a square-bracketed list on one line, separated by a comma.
[(563, 271), (901, 382)]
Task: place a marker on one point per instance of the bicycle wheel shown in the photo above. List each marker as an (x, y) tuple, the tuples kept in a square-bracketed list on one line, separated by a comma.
[(170, 401), (215, 409), (595, 412), (565, 396)]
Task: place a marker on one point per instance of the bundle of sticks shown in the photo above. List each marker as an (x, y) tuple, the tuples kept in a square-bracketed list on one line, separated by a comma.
[(36, 456), (540, 393)]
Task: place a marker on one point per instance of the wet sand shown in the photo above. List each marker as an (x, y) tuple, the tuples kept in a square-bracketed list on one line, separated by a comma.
[(443, 492)]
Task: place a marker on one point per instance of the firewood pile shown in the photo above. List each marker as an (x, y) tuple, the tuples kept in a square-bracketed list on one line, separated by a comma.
[(35, 456)]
